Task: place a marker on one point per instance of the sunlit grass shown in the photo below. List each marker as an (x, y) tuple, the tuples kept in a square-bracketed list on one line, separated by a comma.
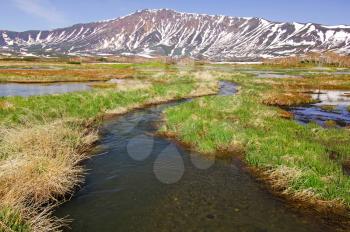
[(43, 139), (84, 105), (296, 158)]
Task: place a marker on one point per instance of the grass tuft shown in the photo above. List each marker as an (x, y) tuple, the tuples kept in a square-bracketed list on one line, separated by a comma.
[(287, 99), (330, 123), (103, 85), (11, 220), (328, 108)]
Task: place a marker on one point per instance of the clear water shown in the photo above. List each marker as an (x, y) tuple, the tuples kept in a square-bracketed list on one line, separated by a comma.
[(140, 182), (332, 97), (26, 90), (315, 113)]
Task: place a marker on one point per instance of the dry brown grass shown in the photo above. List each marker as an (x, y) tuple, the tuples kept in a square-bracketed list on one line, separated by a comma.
[(66, 75), (40, 164), (286, 99), (132, 84), (123, 85), (205, 76), (103, 85), (319, 83), (279, 180), (5, 105), (326, 58), (285, 114), (202, 88), (233, 149), (322, 82), (205, 88)]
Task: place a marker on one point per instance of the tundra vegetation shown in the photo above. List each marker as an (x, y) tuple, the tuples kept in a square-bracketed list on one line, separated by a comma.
[(44, 139), (305, 163)]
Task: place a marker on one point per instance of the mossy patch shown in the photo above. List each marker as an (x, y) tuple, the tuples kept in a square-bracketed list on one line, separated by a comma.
[(328, 108), (330, 123)]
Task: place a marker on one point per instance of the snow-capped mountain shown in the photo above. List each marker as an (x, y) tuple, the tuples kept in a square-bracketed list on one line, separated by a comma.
[(171, 33)]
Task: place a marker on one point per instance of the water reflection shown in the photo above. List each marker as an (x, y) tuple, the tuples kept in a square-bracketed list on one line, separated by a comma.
[(332, 97), (332, 106), (26, 90)]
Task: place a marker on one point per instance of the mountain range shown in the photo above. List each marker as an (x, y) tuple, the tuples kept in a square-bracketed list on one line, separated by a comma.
[(165, 32)]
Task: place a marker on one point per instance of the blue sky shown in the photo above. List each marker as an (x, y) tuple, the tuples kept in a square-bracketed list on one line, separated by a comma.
[(20, 15)]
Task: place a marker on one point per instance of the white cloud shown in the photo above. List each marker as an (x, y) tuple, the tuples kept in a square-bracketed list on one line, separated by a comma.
[(43, 9)]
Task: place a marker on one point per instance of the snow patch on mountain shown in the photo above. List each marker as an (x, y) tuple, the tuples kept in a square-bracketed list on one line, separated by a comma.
[(166, 32)]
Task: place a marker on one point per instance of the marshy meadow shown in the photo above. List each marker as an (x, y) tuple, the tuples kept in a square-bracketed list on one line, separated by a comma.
[(89, 144)]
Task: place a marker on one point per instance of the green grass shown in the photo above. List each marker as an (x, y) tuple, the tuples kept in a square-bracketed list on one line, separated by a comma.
[(328, 108), (74, 62), (239, 125), (50, 135), (11, 220), (271, 143), (84, 105)]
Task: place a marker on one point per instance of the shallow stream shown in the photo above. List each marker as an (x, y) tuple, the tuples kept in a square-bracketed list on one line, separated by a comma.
[(140, 182)]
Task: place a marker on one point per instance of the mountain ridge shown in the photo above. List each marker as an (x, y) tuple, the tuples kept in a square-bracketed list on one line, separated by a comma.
[(189, 13), (165, 32)]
